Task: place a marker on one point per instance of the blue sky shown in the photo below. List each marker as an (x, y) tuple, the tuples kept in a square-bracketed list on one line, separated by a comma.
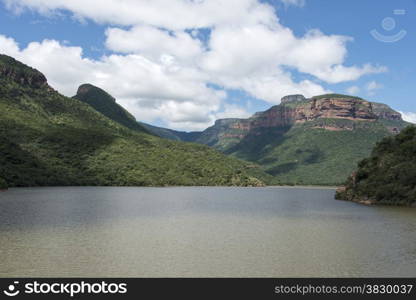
[(357, 19), (189, 94)]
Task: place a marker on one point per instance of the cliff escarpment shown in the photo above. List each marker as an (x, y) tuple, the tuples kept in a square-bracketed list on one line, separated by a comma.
[(307, 141)]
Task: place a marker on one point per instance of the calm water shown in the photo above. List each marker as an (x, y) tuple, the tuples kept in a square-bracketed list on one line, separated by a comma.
[(194, 232)]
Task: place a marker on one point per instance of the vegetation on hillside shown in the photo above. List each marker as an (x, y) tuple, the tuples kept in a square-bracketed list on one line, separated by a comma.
[(172, 134), (3, 184), (10, 65), (335, 96), (388, 176), (104, 103), (47, 139), (307, 154)]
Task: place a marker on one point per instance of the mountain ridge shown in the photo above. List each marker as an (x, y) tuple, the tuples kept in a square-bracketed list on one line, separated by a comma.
[(106, 104), (47, 139), (326, 135)]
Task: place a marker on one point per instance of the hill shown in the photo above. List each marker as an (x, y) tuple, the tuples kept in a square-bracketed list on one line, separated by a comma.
[(172, 134), (47, 139), (104, 103), (316, 141), (308, 141), (388, 175)]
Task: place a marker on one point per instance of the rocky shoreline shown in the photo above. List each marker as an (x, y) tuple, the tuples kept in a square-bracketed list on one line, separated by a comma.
[(341, 194)]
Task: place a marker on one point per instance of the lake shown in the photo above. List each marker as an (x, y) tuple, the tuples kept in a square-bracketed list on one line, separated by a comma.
[(200, 232)]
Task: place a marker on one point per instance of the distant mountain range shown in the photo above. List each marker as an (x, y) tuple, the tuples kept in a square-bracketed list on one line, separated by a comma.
[(315, 141), (47, 139)]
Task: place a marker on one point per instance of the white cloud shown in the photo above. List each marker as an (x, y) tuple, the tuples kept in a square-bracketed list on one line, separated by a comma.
[(258, 66), (46, 56), (153, 42), (149, 89), (353, 90), (233, 111), (272, 87), (8, 45), (323, 56), (173, 14), (159, 68), (409, 116), (340, 73)]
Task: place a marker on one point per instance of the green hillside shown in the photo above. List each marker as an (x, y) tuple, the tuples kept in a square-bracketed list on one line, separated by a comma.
[(172, 134), (47, 139), (303, 154), (316, 141), (103, 102), (388, 175), (334, 96), (3, 184)]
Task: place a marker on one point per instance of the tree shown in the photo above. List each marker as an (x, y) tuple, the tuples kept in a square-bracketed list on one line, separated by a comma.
[(3, 184)]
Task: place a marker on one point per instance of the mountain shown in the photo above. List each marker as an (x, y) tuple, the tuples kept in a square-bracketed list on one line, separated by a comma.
[(388, 175), (315, 141), (172, 134), (47, 139), (103, 102), (106, 104)]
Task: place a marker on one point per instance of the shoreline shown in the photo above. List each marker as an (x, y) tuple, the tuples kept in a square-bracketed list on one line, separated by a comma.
[(184, 186), (323, 187)]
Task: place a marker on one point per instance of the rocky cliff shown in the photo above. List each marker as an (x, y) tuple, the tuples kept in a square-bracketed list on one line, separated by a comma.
[(307, 141), (293, 98), (20, 73), (296, 109)]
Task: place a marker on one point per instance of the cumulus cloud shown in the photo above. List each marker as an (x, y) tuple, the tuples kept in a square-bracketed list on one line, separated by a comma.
[(409, 116), (47, 55), (160, 69), (233, 111), (149, 89), (8, 45), (173, 14), (153, 42), (258, 66)]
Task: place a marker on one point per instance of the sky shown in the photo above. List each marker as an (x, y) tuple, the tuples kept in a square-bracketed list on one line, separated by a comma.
[(183, 64)]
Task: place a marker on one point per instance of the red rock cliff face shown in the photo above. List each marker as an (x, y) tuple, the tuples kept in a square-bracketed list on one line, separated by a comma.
[(297, 109), (339, 108), (288, 113), (383, 111)]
